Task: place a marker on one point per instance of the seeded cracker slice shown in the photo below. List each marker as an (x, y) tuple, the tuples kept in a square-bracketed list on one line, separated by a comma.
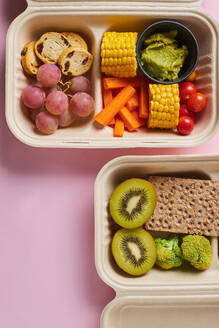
[(186, 206), (75, 61), (50, 46), (29, 61)]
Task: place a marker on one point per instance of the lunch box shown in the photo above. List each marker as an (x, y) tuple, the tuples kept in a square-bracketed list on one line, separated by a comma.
[(172, 298), (91, 19)]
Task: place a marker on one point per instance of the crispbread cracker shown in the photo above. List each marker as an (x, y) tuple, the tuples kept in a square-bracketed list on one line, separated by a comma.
[(187, 206)]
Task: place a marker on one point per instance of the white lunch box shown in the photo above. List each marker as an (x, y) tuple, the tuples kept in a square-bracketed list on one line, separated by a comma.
[(172, 298), (91, 20)]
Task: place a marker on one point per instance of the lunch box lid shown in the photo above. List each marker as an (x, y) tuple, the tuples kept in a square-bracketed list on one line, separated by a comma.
[(110, 1), (166, 311), (113, 3)]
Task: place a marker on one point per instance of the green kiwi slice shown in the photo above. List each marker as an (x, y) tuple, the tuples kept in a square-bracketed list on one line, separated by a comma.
[(134, 250), (132, 203)]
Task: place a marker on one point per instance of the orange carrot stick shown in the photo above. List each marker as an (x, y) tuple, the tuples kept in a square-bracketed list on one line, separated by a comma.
[(143, 101), (130, 122), (116, 82), (141, 121), (132, 103), (118, 128), (107, 98), (109, 111)]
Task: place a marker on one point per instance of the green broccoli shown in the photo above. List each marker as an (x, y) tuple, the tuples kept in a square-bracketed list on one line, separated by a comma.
[(197, 250), (169, 254)]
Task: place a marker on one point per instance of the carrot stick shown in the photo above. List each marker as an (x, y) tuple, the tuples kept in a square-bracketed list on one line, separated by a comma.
[(143, 101), (109, 111), (130, 122), (107, 98), (141, 121), (132, 103), (116, 82), (119, 128)]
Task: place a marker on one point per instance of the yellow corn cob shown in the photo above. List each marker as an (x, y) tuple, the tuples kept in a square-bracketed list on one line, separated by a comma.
[(164, 105), (118, 54)]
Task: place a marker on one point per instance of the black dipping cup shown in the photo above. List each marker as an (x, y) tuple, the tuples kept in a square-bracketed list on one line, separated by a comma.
[(184, 37)]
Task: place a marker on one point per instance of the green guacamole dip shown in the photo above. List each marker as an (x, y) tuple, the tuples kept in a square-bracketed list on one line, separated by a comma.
[(162, 58)]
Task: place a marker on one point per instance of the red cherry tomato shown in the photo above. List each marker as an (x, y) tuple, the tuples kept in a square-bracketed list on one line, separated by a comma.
[(185, 112), (186, 89), (185, 125), (197, 102)]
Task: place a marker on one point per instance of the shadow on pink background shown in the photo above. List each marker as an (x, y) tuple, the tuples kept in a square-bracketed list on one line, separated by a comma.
[(47, 270)]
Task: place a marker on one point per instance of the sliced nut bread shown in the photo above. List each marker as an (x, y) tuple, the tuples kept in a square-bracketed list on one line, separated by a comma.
[(76, 40), (50, 46), (75, 61), (29, 61)]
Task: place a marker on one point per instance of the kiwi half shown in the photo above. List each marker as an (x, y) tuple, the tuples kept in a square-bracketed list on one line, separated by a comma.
[(132, 203), (134, 250)]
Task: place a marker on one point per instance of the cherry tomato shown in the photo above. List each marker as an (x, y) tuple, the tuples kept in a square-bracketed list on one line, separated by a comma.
[(186, 89), (185, 125), (197, 102), (185, 112), (192, 77)]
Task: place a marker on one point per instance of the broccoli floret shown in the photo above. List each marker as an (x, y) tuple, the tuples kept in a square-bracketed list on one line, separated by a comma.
[(169, 253), (197, 250)]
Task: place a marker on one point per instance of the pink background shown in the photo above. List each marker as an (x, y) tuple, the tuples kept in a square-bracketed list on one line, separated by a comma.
[(47, 271)]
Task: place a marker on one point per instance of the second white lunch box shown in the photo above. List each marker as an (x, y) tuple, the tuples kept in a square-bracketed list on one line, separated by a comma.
[(91, 19), (160, 298)]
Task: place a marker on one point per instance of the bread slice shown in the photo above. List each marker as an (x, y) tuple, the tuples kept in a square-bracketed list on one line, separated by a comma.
[(188, 206), (29, 61), (50, 46), (76, 40), (75, 61)]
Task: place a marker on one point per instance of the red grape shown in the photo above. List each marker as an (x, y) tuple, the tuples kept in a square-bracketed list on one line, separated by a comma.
[(46, 123), (82, 104), (66, 119), (57, 102), (79, 83), (33, 96), (48, 75)]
